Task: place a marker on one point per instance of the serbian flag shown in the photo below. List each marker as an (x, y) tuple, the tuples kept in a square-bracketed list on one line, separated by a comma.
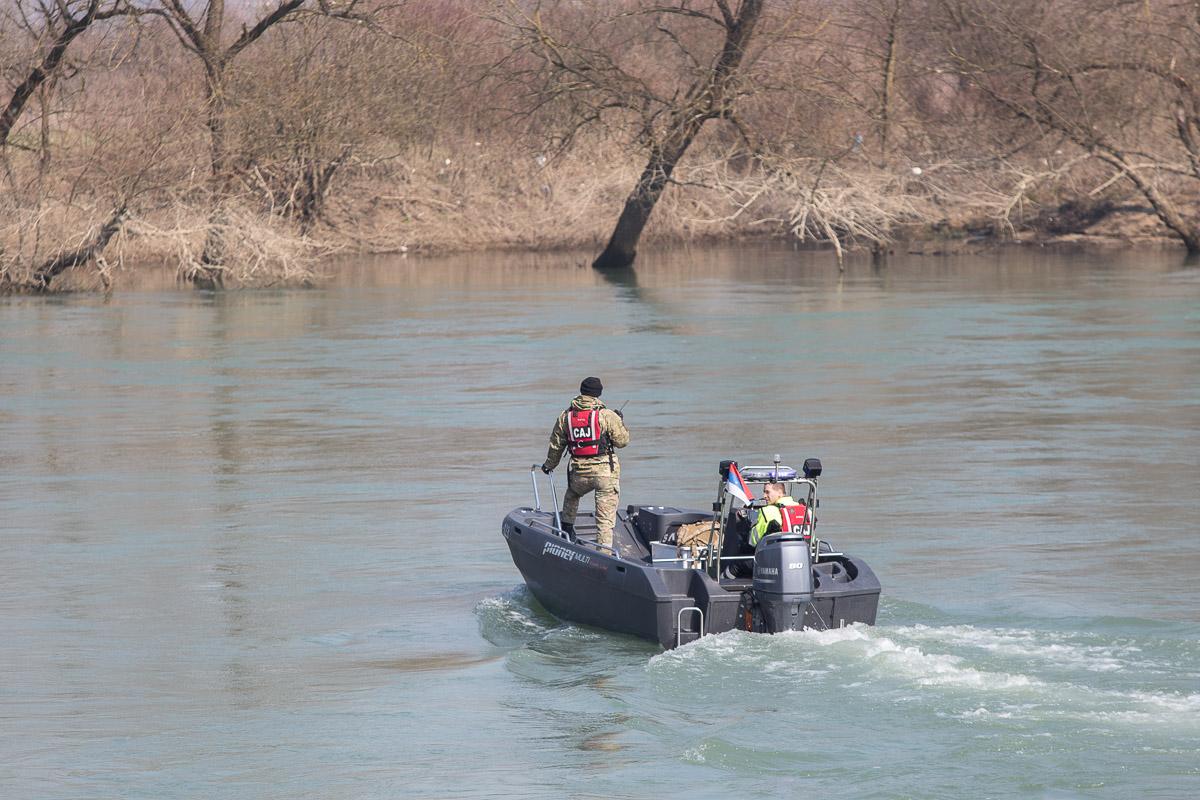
[(736, 486)]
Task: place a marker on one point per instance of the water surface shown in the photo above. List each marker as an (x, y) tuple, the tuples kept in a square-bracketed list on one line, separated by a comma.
[(249, 543)]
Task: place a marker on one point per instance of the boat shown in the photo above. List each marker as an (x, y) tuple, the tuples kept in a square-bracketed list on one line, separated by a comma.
[(651, 585)]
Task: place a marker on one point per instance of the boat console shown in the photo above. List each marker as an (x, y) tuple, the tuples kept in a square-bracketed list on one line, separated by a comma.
[(653, 523)]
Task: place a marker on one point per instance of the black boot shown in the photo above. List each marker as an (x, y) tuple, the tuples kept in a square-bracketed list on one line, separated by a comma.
[(569, 528)]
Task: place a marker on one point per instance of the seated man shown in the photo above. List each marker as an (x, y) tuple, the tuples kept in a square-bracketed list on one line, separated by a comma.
[(770, 517), (740, 541)]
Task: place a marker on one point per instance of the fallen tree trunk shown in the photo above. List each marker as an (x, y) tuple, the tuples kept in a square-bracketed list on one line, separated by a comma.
[(89, 250)]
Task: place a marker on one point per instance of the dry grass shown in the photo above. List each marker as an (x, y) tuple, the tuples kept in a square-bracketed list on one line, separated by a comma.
[(494, 196), (479, 196), (260, 249), (31, 237)]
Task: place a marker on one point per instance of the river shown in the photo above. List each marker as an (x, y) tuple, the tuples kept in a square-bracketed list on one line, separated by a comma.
[(249, 542)]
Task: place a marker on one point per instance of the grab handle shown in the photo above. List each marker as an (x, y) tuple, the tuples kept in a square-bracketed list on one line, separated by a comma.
[(537, 501), (554, 497)]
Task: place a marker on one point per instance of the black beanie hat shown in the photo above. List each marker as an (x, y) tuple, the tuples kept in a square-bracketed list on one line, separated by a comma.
[(592, 387)]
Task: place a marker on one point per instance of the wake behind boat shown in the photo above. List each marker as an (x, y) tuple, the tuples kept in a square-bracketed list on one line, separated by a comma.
[(657, 584)]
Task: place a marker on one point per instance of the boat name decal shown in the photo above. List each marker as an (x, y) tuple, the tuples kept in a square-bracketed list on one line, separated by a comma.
[(565, 553)]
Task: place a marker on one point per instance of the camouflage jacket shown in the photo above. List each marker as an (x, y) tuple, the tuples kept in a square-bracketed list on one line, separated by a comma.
[(612, 426)]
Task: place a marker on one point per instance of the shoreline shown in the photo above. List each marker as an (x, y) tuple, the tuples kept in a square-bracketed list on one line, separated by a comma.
[(162, 275)]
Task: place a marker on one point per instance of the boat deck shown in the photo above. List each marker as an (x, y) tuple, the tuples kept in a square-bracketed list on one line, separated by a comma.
[(630, 546)]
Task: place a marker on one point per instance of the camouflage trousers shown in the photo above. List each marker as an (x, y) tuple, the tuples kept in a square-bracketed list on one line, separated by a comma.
[(607, 487)]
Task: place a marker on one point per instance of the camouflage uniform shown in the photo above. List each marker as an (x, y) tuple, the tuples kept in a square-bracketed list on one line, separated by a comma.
[(601, 474)]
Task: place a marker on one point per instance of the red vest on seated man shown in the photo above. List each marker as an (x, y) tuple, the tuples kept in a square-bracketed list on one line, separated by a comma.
[(796, 518)]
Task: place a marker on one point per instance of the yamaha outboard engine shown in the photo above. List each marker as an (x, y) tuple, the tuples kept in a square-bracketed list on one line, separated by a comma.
[(783, 582)]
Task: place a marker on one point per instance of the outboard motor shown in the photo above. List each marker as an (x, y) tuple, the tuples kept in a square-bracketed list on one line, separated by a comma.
[(783, 582)]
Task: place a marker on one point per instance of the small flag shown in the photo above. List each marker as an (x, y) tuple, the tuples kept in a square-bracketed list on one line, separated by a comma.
[(736, 486)]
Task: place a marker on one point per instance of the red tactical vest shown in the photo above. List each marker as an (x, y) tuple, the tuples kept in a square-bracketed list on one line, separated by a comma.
[(795, 518), (584, 435)]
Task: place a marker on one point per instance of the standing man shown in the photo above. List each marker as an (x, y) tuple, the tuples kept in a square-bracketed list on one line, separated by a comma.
[(590, 432)]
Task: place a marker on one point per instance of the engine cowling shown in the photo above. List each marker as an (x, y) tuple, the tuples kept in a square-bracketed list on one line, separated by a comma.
[(783, 581)]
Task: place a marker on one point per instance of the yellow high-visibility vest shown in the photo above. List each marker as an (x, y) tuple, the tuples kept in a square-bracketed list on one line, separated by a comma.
[(767, 515)]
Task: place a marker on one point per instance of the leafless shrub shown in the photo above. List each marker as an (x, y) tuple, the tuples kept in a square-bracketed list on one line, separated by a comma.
[(27, 266), (260, 253), (1117, 83)]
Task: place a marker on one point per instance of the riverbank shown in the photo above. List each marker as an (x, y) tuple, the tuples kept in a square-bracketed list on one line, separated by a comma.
[(471, 199), (1126, 227), (429, 128), (527, 266)]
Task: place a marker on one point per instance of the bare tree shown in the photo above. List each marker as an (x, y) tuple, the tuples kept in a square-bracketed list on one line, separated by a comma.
[(316, 100), (1117, 79), (203, 33), (706, 40), (861, 55), (53, 26), (49, 29)]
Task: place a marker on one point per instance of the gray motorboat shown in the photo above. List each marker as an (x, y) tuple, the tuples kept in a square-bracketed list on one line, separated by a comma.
[(651, 584)]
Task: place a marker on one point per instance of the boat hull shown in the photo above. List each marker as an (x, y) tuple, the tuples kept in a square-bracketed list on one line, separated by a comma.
[(666, 603)]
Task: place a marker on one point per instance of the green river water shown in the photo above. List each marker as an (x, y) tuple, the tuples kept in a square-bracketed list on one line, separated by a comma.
[(250, 542)]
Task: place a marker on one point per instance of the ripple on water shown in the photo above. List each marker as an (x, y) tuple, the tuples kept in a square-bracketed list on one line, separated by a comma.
[(961, 671), (513, 618)]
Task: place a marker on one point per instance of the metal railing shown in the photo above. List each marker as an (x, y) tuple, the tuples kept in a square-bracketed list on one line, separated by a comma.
[(704, 559), (557, 528)]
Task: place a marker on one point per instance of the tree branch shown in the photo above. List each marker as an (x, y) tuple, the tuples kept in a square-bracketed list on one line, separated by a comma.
[(52, 58), (44, 274), (249, 35)]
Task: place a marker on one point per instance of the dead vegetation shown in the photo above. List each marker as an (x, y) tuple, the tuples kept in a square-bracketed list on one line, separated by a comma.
[(244, 145)]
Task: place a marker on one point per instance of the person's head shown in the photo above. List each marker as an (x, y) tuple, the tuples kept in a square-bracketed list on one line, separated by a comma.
[(592, 387), (773, 491)]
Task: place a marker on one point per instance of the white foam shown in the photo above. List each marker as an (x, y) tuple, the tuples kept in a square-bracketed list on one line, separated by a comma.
[(882, 654), (939, 669), (985, 713), (872, 657), (1057, 698), (510, 612), (1182, 704), (1035, 646), (722, 647)]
